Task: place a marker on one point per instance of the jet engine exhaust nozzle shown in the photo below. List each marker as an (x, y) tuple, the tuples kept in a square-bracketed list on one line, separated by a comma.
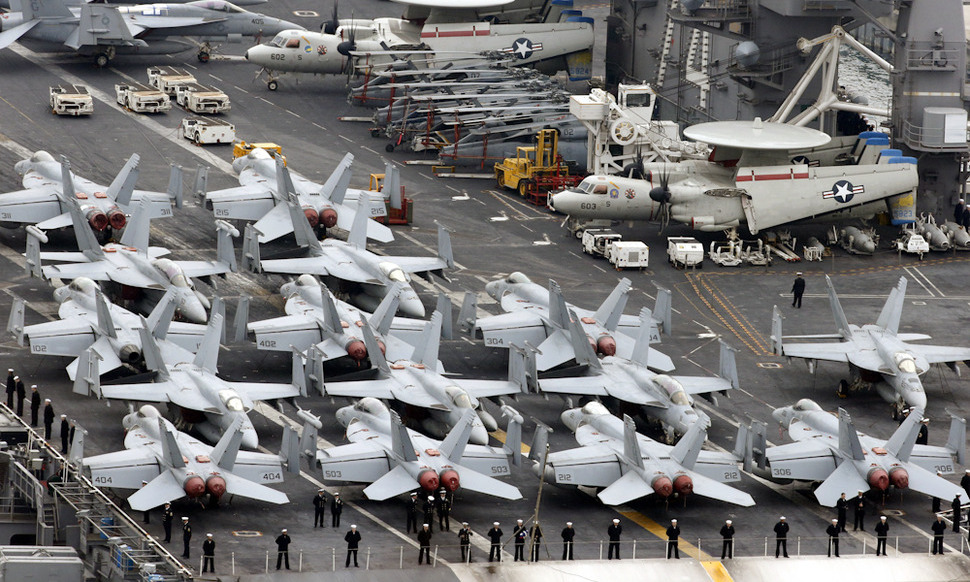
[(328, 217), (899, 478), (606, 345), (216, 486), (684, 485), (97, 219), (117, 219), (194, 487), (356, 350), (449, 479), (312, 217), (428, 480), (662, 486), (878, 479)]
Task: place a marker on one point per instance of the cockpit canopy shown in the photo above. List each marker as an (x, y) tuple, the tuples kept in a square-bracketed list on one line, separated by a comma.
[(83, 285), (517, 278), (172, 271), (306, 281), (232, 401), (905, 362), (148, 411), (674, 389), (217, 5), (806, 405), (593, 185), (458, 396), (594, 408), (393, 272), (370, 406), (41, 156)]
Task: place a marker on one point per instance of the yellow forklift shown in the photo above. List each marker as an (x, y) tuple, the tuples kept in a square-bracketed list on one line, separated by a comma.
[(536, 170)]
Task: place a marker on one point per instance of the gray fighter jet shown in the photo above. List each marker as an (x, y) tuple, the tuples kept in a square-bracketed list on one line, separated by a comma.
[(175, 465), (134, 264), (264, 183), (192, 388), (828, 448), (395, 460), (370, 274), (661, 397), (319, 322), (876, 353), (49, 184), (88, 320), (144, 29), (540, 318), (418, 382), (629, 465)]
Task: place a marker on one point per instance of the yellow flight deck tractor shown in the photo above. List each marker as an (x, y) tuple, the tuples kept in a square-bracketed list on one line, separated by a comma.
[(536, 170), (240, 148)]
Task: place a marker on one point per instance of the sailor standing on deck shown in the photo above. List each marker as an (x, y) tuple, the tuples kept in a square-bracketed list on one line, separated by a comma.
[(842, 506), (424, 544), (833, 532), (568, 535), (11, 387), (727, 532), (956, 507), (882, 531), (465, 540), (673, 536), (938, 528), (495, 535), (168, 516), (319, 508), (412, 508), (283, 549), (208, 554), (798, 289), (21, 396), (519, 533), (34, 405), (353, 544), (958, 211), (186, 536), (859, 512), (781, 536), (614, 532), (336, 508), (48, 418)]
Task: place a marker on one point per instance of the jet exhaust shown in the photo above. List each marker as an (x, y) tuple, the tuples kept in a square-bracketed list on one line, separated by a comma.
[(449, 479)]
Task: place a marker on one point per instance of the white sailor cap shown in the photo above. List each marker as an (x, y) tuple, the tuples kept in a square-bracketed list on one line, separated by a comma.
[(63, 416), (430, 497), (184, 518), (673, 521), (495, 523), (518, 521), (616, 521), (882, 517), (835, 520), (353, 526), (782, 518), (464, 523), (569, 523), (208, 535), (47, 400), (729, 522), (283, 530), (424, 525)]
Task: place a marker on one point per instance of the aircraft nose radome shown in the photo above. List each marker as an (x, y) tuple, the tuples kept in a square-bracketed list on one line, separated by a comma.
[(250, 440), (192, 310), (571, 418), (411, 306), (778, 414), (479, 435), (916, 400)]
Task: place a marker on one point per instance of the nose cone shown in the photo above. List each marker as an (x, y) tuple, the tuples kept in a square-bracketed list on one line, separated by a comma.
[(495, 289), (479, 435), (780, 414), (250, 440), (571, 418), (564, 202), (62, 294), (410, 305), (915, 399), (191, 309)]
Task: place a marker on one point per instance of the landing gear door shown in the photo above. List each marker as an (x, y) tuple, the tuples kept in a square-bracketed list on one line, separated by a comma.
[(749, 214)]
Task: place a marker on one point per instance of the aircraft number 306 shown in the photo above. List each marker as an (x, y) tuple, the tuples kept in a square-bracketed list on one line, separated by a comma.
[(944, 468), (781, 472)]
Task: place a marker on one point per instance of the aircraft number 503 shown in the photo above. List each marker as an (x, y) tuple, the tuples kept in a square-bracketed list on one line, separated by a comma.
[(499, 470), (331, 474)]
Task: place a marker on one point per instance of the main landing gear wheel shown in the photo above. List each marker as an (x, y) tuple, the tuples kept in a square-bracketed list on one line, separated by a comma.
[(101, 60), (389, 148), (203, 56), (272, 85)]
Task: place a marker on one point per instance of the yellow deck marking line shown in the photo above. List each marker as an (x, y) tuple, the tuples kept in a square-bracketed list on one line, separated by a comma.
[(661, 532), (717, 571)]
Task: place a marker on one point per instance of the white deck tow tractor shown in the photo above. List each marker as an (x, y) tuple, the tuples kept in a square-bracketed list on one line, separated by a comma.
[(206, 130), (71, 100), (142, 98), (166, 79), (596, 240)]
